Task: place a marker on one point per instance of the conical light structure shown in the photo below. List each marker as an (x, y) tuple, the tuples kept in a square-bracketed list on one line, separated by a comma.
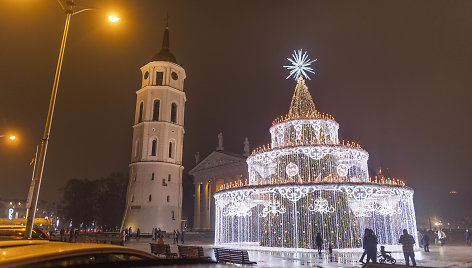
[(302, 104)]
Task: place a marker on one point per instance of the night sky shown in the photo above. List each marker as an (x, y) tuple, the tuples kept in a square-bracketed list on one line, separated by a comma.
[(396, 76)]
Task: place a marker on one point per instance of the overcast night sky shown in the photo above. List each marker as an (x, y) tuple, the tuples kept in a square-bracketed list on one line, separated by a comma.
[(396, 76)]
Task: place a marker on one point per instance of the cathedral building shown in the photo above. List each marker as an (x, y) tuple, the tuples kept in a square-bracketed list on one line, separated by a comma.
[(218, 168), (154, 194)]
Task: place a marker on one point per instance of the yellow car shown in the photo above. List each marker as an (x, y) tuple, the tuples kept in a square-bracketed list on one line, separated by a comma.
[(43, 253)]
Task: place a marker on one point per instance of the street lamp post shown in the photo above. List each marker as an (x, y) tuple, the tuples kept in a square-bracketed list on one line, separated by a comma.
[(68, 9)]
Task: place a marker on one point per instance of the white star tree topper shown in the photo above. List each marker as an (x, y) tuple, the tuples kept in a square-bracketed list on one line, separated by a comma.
[(300, 65)]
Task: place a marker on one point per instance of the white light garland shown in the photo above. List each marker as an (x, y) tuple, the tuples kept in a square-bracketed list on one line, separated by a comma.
[(321, 205)]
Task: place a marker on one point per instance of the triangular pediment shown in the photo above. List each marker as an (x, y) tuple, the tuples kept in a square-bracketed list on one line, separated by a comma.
[(218, 159)]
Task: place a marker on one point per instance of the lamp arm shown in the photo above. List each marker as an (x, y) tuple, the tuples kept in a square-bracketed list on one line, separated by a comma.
[(82, 10)]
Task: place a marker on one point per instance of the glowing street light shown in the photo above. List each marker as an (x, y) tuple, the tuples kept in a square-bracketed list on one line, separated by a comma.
[(113, 18), (9, 137), (68, 6)]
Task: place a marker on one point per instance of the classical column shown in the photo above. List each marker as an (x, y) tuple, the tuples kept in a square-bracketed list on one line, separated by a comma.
[(197, 208), (205, 214), (212, 205)]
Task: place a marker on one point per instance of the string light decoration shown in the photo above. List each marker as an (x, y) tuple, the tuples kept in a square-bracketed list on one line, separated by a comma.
[(308, 181)]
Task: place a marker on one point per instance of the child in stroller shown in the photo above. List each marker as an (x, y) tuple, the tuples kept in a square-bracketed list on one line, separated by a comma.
[(386, 256)]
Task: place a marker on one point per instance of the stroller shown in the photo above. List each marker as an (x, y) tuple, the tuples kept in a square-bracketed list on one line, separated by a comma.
[(386, 256)]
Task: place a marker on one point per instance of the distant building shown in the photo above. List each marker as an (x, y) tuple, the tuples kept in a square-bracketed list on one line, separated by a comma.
[(154, 196), (218, 168)]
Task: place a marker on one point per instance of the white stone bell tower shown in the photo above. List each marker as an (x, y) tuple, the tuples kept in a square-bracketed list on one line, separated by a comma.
[(154, 196)]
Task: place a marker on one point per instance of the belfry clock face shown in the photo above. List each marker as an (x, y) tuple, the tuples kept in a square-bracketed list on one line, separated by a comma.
[(146, 75), (174, 75)]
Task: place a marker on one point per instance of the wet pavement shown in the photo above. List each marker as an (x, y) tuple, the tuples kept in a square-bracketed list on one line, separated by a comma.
[(446, 256)]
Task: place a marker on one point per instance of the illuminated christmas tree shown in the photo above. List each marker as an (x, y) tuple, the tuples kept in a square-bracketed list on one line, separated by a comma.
[(306, 182)]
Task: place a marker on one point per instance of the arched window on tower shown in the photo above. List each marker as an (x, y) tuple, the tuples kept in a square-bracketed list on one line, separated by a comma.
[(153, 147), (171, 149), (140, 112), (150, 198), (173, 113), (155, 111)]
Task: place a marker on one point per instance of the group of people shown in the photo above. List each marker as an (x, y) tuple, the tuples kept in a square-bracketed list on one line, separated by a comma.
[(156, 234), (370, 241), (73, 234)]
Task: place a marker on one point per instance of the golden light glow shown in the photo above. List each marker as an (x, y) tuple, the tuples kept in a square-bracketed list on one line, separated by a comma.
[(113, 18), (12, 137)]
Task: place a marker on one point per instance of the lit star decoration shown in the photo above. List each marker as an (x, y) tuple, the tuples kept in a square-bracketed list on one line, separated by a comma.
[(300, 65)]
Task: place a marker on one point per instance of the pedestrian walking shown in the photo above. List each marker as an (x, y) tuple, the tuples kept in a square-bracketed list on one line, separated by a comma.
[(183, 236), (174, 236), (138, 234), (71, 234), (366, 231), (76, 234), (370, 242), (122, 238), (126, 235), (442, 237), (330, 248), (467, 237), (159, 233), (408, 242), (62, 234), (152, 234), (130, 232), (177, 236), (319, 242), (425, 242)]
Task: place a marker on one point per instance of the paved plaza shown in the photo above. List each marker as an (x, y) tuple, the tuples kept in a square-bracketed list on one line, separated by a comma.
[(453, 255)]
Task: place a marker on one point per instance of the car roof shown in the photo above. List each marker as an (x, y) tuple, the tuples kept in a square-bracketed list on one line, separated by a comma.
[(21, 242), (24, 253)]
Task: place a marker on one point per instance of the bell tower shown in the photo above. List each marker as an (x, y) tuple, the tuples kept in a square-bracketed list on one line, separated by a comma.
[(154, 195)]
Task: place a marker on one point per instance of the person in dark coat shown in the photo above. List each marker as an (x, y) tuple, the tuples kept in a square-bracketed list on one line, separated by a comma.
[(467, 237), (319, 242), (183, 236), (76, 234), (425, 242), (370, 244), (408, 242), (366, 231), (62, 232), (71, 235), (138, 234), (177, 235)]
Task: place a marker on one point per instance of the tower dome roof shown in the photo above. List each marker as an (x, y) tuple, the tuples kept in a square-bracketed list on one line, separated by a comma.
[(165, 54)]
